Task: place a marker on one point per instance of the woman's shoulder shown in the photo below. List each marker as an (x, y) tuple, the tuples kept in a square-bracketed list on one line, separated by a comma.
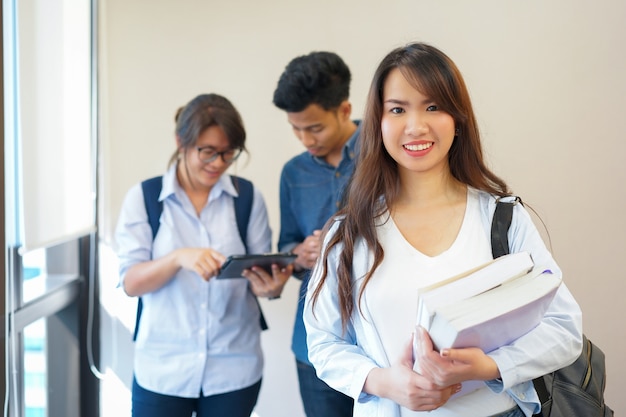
[(488, 199), (487, 203)]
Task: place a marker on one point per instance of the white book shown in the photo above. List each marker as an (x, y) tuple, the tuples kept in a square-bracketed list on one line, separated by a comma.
[(470, 283), (487, 307), (496, 317)]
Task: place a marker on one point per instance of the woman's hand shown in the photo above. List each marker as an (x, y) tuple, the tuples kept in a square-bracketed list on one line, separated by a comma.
[(206, 262), (406, 387), (266, 285), (149, 276), (451, 366)]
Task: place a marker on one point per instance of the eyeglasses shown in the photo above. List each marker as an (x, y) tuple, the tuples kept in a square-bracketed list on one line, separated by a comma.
[(208, 154)]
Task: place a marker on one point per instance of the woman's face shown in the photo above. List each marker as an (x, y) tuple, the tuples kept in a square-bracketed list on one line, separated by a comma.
[(415, 132), (202, 173)]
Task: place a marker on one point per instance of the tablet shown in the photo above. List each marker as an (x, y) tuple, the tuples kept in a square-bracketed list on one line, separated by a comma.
[(235, 264)]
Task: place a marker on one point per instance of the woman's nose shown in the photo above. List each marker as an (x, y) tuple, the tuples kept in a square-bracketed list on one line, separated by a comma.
[(416, 125)]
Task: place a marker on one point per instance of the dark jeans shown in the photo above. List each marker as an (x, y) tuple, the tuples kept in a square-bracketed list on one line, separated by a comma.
[(319, 399), (232, 404)]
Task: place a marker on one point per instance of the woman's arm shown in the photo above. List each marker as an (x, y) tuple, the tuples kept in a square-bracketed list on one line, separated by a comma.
[(353, 361)]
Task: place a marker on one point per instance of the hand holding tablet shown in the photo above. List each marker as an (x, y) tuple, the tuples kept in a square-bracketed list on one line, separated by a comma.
[(235, 264)]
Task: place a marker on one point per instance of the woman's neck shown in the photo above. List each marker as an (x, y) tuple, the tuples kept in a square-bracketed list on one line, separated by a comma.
[(197, 194), (427, 189)]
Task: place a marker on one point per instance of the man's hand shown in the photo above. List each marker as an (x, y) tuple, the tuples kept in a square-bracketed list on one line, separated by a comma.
[(308, 251)]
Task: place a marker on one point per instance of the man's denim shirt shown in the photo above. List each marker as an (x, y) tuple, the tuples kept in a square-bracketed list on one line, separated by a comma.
[(310, 193)]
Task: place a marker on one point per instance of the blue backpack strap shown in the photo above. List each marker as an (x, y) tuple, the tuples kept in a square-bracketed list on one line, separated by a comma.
[(243, 206), (151, 190), (243, 209)]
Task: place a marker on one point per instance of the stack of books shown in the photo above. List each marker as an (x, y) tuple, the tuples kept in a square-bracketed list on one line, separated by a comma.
[(489, 306)]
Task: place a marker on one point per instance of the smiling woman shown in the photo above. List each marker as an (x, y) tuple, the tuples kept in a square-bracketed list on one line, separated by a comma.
[(413, 218)]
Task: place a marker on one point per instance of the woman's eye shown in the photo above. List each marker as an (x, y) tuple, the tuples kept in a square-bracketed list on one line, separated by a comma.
[(432, 107), (396, 110)]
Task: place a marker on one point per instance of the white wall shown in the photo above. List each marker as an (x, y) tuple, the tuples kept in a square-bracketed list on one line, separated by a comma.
[(548, 85)]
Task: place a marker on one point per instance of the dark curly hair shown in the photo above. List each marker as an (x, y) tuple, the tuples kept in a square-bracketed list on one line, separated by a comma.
[(321, 78)]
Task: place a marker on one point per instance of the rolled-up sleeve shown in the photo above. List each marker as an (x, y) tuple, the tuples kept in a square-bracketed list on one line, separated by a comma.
[(338, 359), (555, 343)]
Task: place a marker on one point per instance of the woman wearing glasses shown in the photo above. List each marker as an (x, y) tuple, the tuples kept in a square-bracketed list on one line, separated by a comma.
[(198, 347)]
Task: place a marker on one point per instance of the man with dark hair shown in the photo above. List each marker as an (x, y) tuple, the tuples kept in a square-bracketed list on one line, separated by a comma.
[(314, 91)]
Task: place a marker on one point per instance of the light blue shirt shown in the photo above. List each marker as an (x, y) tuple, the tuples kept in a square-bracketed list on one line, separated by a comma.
[(343, 360), (194, 335)]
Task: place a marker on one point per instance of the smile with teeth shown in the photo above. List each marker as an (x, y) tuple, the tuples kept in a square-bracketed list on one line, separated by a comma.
[(418, 147)]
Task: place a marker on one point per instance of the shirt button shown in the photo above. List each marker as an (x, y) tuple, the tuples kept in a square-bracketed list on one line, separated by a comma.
[(337, 174)]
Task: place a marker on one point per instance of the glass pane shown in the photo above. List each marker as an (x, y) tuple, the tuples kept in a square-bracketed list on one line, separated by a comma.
[(35, 397), (34, 263), (34, 269), (54, 115)]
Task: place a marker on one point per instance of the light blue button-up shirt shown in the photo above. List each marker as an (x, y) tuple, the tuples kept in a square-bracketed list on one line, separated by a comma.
[(194, 335)]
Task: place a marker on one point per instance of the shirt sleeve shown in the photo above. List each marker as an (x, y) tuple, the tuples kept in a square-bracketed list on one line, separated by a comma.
[(290, 235), (133, 235), (556, 342), (337, 358)]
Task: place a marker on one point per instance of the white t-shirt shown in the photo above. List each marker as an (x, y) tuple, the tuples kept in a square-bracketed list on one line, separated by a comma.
[(392, 293)]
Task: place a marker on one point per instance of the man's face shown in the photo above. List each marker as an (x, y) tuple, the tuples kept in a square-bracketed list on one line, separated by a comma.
[(320, 131)]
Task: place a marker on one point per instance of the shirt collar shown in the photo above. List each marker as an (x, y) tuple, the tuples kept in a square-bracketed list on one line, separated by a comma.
[(171, 185)]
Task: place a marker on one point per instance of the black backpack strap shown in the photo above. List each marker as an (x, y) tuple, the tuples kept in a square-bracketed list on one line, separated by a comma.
[(542, 393), (500, 224)]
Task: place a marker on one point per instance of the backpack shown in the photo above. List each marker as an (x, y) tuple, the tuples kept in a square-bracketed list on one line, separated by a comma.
[(578, 389), (243, 207)]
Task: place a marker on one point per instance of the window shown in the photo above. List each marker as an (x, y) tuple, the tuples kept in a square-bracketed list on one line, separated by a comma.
[(49, 215)]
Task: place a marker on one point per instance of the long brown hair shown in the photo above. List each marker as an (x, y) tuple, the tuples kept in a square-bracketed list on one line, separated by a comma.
[(375, 183)]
